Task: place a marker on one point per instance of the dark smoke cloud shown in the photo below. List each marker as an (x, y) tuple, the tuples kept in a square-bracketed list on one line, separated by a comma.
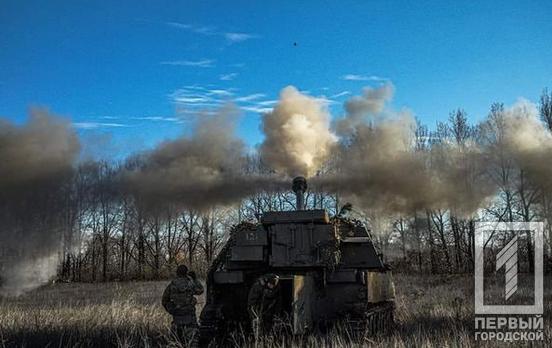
[(36, 160), (37, 152), (199, 171)]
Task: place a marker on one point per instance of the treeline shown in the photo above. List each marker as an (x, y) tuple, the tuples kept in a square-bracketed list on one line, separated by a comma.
[(109, 234), (440, 241)]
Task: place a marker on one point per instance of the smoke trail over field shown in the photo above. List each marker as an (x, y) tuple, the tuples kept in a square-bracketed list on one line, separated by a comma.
[(378, 166), (199, 171), (298, 139), (378, 163), (36, 160), (373, 155)]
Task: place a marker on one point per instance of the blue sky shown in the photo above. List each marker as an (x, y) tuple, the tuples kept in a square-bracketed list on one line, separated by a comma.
[(132, 69)]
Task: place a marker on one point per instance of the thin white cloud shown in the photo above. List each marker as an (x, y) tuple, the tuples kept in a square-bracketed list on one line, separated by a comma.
[(203, 63), (250, 97), (179, 25), (354, 77), (228, 77), (340, 94), (256, 109), (322, 99), (94, 125), (231, 37), (325, 100), (158, 118), (239, 37), (203, 30), (252, 103), (110, 117), (221, 92), (192, 98), (195, 87), (267, 102)]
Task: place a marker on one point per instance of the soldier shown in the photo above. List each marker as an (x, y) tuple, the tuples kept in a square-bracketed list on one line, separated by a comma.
[(264, 303), (179, 301)]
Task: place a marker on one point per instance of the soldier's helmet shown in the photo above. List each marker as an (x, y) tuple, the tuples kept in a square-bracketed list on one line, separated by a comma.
[(271, 278), (182, 271)]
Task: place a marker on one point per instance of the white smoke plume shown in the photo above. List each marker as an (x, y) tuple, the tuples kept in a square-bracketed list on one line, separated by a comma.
[(528, 142), (29, 273), (298, 136), (359, 109), (379, 167)]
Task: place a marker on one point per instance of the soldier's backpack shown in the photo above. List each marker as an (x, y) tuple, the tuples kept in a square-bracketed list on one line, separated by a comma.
[(182, 295)]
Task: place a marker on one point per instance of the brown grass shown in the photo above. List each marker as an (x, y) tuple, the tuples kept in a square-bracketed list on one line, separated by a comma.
[(431, 312)]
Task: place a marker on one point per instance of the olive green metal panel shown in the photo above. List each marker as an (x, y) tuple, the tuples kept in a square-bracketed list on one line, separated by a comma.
[(380, 287), (247, 253), (252, 236), (360, 252), (235, 277), (299, 245), (304, 216), (342, 276)]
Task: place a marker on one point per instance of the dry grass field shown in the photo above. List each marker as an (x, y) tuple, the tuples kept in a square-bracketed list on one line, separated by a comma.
[(433, 311)]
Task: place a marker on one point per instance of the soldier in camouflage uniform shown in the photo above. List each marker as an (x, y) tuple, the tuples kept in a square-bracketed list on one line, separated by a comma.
[(179, 301), (264, 303)]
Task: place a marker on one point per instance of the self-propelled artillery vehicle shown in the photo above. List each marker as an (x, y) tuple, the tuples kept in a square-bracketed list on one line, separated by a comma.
[(329, 271)]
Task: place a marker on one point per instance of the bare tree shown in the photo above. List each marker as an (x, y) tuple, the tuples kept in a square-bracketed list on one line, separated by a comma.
[(545, 108)]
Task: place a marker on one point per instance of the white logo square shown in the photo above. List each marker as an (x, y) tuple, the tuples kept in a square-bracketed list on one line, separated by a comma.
[(506, 259)]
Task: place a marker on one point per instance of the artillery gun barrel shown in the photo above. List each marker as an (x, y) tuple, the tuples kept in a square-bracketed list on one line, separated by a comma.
[(299, 186)]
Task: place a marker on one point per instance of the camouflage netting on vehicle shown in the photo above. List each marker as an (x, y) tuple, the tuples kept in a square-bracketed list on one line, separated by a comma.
[(244, 225), (346, 226), (330, 255)]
